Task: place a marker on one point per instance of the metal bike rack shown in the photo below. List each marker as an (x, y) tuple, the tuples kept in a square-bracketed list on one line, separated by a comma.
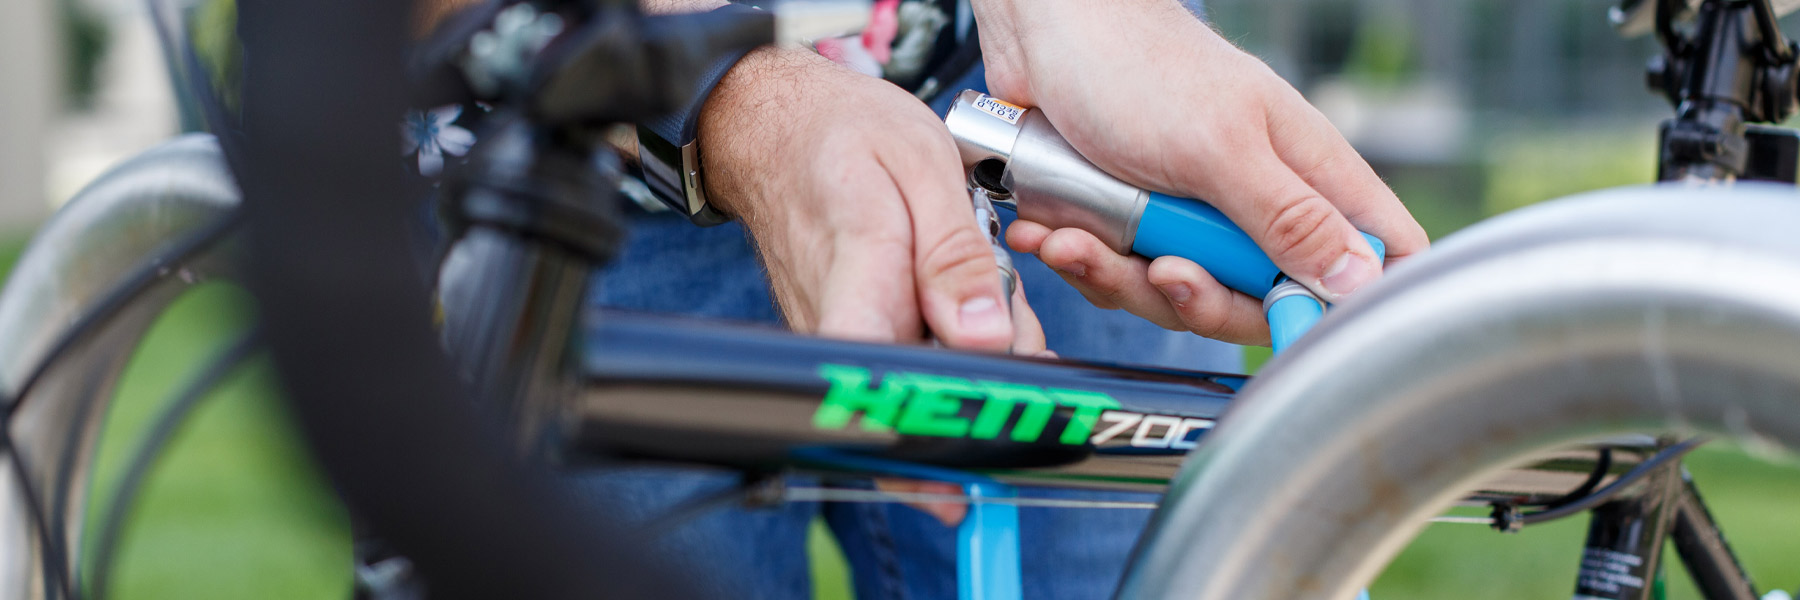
[(127, 246), (1639, 309)]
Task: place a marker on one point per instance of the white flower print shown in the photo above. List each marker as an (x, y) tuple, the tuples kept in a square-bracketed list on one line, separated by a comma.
[(432, 134)]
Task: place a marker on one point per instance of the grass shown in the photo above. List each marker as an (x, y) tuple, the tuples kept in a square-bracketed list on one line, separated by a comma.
[(1753, 499), (234, 508)]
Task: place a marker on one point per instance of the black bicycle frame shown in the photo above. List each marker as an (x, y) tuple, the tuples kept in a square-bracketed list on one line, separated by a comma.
[(1623, 554), (760, 399), (765, 401)]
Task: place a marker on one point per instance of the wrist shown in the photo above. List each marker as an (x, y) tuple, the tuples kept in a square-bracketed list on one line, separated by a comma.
[(668, 148), (747, 116)]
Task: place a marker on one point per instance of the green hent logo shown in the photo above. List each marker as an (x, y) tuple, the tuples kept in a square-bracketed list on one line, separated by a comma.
[(931, 405)]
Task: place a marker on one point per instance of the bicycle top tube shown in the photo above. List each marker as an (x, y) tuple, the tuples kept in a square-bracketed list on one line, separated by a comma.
[(693, 391)]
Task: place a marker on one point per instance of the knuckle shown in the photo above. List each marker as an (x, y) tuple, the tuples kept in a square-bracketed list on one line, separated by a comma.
[(1320, 165), (1110, 289), (1207, 319), (1298, 221), (878, 240), (957, 251)]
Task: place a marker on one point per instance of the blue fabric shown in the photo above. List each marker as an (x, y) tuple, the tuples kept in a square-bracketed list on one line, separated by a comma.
[(894, 551)]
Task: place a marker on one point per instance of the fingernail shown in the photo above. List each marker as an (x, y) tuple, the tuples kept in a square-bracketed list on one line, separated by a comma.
[(1178, 292), (982, 314), (1349, 273), (1076, 269)]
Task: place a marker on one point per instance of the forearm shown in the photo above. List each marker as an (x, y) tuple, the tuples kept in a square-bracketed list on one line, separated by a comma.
[(428, 14), (669, 7), (1018, 34)]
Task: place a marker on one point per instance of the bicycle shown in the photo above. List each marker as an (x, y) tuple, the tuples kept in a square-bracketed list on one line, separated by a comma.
[(1252, 514)]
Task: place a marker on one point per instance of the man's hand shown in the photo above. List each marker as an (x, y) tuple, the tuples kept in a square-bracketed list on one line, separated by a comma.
[(852, 190), (1155, 97)]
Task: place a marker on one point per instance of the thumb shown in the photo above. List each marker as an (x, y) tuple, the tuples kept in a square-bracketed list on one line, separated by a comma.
[(958, 280)]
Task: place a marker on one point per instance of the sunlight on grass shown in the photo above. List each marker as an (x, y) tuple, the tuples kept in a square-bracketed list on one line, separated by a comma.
[(1753, 500), (234, 508)]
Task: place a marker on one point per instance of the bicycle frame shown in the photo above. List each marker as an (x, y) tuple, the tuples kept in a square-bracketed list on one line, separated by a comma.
[(652, 388), (762, 400), (645, 382)]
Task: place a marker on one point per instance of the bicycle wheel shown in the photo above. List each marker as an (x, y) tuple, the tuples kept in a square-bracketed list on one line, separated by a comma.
[(425, 464), (1654, 309), (79, 300)]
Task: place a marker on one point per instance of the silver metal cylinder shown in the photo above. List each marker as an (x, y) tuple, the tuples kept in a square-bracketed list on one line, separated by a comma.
[(1049, 181), (989, 221), (1633, 310)]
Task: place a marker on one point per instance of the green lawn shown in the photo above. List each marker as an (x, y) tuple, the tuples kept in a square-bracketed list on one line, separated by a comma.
[(234, 508), (1754, 501)]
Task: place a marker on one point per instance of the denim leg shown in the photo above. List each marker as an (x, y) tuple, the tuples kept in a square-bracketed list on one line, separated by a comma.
[(1078, 553), (670, 266), (895, 552), (734, 552)]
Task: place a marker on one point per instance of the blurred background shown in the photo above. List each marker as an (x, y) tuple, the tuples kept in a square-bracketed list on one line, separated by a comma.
[(1467, 107)]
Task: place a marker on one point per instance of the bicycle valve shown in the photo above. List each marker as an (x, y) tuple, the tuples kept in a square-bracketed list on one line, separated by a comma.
[(988, 220), (1014, 152)]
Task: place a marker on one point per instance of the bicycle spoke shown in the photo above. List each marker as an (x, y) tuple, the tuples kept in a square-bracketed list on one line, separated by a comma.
[(150, 449)]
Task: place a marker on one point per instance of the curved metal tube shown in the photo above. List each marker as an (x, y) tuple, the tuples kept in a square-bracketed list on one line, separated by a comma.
[(106, 230), (1639, 309), (139, 213)]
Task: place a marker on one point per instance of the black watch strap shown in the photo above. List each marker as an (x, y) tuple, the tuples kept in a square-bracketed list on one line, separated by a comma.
[(669, 154)]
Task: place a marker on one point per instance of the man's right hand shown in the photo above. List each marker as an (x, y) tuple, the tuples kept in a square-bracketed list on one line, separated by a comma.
[(852, 191)]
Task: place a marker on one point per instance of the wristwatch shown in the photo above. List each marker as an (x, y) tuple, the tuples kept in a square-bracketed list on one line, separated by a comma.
[(669, 153)]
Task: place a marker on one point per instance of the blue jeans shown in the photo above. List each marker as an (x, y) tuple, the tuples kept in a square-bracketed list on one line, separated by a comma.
[(894, 551)]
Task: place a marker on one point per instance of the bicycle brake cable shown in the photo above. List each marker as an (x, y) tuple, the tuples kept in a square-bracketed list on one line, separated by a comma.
[(867, 496)]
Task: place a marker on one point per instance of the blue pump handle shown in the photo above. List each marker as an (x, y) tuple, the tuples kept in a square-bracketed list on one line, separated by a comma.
[(1198, 232)]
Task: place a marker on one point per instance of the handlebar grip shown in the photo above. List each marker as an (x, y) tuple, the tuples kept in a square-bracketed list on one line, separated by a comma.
[(1194, 230)]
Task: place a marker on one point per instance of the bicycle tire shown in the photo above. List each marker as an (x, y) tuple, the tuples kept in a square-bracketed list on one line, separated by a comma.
[(1637, 309), (422, 462)]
